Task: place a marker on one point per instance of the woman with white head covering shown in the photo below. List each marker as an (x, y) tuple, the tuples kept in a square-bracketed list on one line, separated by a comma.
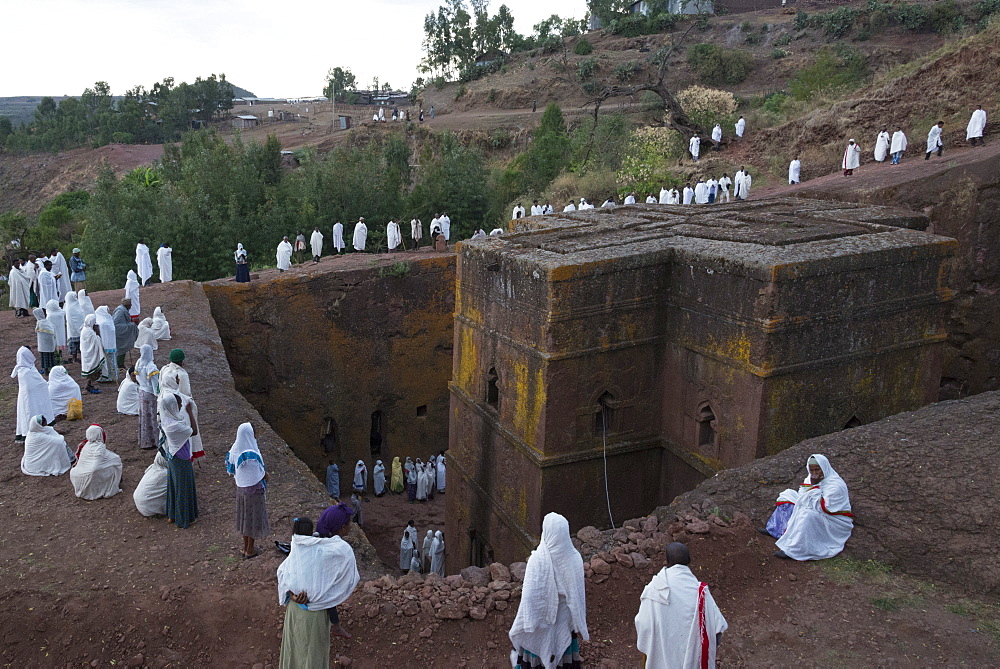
[(74, 323), (150, 495), (146, 377), (552, 616), (407, 546), (45, 452), (127, 401), (57, 320), (378, 477), (440, 473), (93, 363), (421, 481), (821, 522), (85, 302), (98, 471), (411, 479), (360, 477), (32, 393), (45, 339), (109, 341), (174, 379), (425, 551), (62, 389), (161, 328), (132, 293), (245, 464), (177, 426), (144, 335), (429, 478), (437, 554), (242, 268)]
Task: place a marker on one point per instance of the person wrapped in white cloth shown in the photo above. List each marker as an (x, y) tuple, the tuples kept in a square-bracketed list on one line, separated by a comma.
[(98, 471), (552, 616), (62, 389), (821, 521), (32, 393), (679, 625), (150, 495), (45, 452)]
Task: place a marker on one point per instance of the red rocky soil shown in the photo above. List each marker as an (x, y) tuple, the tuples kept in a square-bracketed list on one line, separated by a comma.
[(95, 583)]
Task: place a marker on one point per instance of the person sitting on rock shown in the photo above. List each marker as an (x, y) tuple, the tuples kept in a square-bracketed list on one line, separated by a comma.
[(679, 623), (819, 522)]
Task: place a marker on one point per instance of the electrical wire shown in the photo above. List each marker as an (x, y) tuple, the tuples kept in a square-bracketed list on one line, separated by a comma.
[(604, 437)]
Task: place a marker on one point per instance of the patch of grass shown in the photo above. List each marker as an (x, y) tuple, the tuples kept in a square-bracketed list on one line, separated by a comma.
[(844, 570), (884, 603), (214, 548), (396, 269), (231, 560), (960, 608)]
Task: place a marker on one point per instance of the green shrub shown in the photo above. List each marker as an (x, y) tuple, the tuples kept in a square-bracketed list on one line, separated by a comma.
[(702, 21), (583, 48), (833, 68), (778, 54), (625, 71), (746, 27), (784, 40), (586, 69), (945, 17), (492, 97), (801, 20), (531, 65), (911, 17), (718, 66), (774, 103), (460, 92), (397, 270), (753, 39), (837, 23)]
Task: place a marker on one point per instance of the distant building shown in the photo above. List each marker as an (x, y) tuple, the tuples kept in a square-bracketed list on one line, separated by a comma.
[(245, 121), (670, 6)]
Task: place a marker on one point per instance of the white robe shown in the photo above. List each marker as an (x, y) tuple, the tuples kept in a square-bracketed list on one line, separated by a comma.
[(145, 334), (32, 392), (98, 472), (150, 495), (132, 293), (898, 142), (437, 554), (74, 315), (652, 200), (284, 254), (741, 127), (882, 146), (161, 328), (440, 480), (92, 358), (717, 133), (393, 238), (128, 397), (794, 171), (360, 236), (62, 389), (421, 482), (569, 207), (724, 184), (338, 237), (668, 627), (57, 319), (977, 124), (407, 547), (664, 196), (445, 222), (425, 551), (674, 197), (852, 157), (107, 325), (517, 213), (19, 285), (61, 267), (316, 243), (47, 288), (629, 199), (416, 230), (694, 146), (934, 139), (142, 262), (324, 568), (701, 193), (688, 195), (165, 261), (45, 452), (360, 476), (820, 523), (378, 477)]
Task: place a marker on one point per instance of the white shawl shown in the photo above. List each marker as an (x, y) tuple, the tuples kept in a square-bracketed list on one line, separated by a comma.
[(146, 371), (91, 351), (32, 391), (360, 236), (107, 326), (437, 555), (143, 263), (98, 472), (245, 458), (74, 315), (57, 321), (165, 259), (128, 397), (821, 522), (150, 495), (553, 598), (132, 293), (161, 328), (316, 242), (360, 476), (324, 568), (145, 335), (62, 389), (378, 476), (175, 424), (86, 303), (45, 451)]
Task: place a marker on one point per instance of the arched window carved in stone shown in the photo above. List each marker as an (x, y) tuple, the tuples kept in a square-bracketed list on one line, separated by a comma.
[(707, 431)]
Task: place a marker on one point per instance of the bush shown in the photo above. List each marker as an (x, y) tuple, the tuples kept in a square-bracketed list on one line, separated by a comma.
[(837, 23), (626, 71), (746, 27), (586, 69), (719, 66), (778, 54), (911, 17), (583, 48), (833, 68), (460, 93), (753, 39), (945, 17), (396, 270), (784, 40), (801, 20), (707, 106), (635, 25)]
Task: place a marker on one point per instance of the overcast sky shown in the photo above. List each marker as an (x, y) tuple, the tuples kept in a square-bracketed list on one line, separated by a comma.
[(271, 47)]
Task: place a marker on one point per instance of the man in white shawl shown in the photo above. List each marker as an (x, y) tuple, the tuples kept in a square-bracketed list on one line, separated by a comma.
[(284, 254), (794, 171), (165, 261), (445, 222), (934, 142), (108, 340), (440, 478), (86, 303), (741, 127), (32, 393), (629, 199), (360, 235), (852, 158), (57, 321), (977, 125), (425, 552), (694, 147), (717, 135), (48, 289), (569, 207), (416, 231), (74, 323), (132, 293), (338, 237), (701, 192), (552, 615), (93, 362), (897, 146), (316, 244), (688, 197), (61, 269), (378, 478), (150, 495), (161, 328), (98, 471), (679, 625), (882, 145), (743, 183), (407, 546), (360, 477), (62, 389), (724, 183), (664, 195), (393, 237), (821, 521), (45, 452), (142, 262), (19, 285), (437, 554), (518, 212)]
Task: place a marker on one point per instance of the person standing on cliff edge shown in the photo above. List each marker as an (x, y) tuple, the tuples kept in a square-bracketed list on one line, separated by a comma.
[(316, 244), (284, 255), (360, 235)]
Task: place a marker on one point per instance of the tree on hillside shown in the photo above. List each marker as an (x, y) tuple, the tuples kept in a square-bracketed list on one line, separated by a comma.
[(454, 36), (339, 80)]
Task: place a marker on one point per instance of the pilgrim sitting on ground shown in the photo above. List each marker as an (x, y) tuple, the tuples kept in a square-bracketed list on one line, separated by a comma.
[(98, 471), (45, 452)]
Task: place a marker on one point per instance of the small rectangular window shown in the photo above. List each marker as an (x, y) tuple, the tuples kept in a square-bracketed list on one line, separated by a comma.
[(422, 411)]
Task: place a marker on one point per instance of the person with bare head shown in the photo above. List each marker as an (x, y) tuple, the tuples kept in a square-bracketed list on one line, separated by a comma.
[(934, 142), (679, 623)]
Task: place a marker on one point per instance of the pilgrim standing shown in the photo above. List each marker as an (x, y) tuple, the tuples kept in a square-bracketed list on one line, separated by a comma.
[(552, 616), (48, 288), (378, 478), (977, 126), (416, 231), (74, 323), (694, 147), (316, 244), (242, 268), (45, 339), (245, 463), (407, 546), (107, 328), (142, 262), (45, 451), (284, 254), (300, 246), (425, 552), (147, 375), (437, 554), (396, 479), (701, 192), (717, 136), (898, 146), (177, 426), (125, 331), (32, 393), (132, 294), (741, 126), (360, 483), (724, 183), (61, 269), (421, 481), (882, 145), (359, 512), (333, 480), (98, 471), (19, 285), (57, 321), (393, 237), (446, 226), (360, 235), (629, 199), (688, 194), (440, 478), (794, 171), (165, 261), (411, 480), (93, 363), (934, 142), (678, 624), (77, 270), (85, 302), (852, 158), (338, 237), (145, 335)]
